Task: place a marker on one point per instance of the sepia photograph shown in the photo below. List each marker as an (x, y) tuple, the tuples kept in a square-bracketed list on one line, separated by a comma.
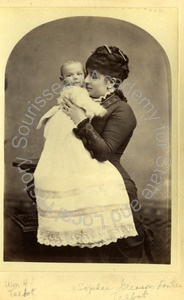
[(91, 157), (87, 144)]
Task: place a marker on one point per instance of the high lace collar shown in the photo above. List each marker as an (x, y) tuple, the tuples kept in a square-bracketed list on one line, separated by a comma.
[(108, 99), (103, 98)]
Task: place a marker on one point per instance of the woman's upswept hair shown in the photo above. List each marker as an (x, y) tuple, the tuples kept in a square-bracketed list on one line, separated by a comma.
[(111, 61)]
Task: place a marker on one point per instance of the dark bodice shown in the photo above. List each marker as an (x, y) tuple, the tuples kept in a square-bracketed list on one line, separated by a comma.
[(116, 127), (106, 138)]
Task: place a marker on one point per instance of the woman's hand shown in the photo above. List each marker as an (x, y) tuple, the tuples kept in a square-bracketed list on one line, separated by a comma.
[(76, 113)]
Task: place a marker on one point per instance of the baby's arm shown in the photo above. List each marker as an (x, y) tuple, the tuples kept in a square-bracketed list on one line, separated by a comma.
[(80, 97)]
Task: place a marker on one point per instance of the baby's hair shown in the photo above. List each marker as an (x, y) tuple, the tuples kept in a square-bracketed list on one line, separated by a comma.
[(111, 61), (69, 62)]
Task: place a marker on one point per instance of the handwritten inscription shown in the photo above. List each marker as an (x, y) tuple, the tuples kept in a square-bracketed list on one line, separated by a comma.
[(97, 287), (127, 291), (20, 289), (163, 284)]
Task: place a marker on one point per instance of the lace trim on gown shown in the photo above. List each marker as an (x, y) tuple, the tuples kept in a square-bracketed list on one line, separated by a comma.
[(86, 238)]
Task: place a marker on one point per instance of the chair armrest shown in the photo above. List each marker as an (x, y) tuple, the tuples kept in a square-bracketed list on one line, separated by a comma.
[(28, 166)]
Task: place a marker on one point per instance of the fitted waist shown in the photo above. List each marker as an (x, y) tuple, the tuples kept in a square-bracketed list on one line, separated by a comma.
[(115, 160)]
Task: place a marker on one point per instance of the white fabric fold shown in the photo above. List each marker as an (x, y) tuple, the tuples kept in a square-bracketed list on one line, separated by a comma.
[(47, 116)]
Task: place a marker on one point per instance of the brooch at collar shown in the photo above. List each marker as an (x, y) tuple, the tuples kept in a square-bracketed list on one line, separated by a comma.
[(109, 100)]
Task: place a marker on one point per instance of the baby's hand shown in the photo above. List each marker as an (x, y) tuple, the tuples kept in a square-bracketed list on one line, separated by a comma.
[(76, 113), (61, 100)]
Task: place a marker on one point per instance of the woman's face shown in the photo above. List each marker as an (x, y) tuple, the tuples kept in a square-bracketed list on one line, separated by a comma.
[(96, 84)]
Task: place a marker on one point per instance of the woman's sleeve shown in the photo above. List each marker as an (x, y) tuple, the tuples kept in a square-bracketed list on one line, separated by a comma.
[(119, 127)]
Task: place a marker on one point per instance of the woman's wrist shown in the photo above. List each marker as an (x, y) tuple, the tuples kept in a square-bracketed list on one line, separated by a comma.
[(83, 123)]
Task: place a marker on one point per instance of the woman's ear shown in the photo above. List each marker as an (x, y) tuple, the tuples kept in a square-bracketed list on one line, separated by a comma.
[(111, 83)]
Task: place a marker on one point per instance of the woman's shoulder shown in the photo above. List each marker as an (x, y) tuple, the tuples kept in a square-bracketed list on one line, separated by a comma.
[(115, 100), (116, 105), (124, 107), (123, 110), (122, 104)]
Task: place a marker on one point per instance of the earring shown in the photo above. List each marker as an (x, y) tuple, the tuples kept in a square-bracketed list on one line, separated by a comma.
[(111, 89)]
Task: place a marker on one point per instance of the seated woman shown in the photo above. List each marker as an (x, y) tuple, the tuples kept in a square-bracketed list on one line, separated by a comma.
[(107, 138)]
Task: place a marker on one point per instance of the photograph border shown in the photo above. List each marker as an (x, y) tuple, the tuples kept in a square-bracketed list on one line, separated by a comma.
[(20, 16)]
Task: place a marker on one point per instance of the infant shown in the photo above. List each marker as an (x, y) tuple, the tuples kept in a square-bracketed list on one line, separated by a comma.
[(72, 76)]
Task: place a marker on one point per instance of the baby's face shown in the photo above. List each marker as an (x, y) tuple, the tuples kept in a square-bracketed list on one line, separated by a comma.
[(73, 73)]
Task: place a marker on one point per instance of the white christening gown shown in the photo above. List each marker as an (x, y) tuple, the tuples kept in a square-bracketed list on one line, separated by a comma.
[(80, 201)]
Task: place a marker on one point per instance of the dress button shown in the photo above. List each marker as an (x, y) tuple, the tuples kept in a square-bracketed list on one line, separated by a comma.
[(89, 126)]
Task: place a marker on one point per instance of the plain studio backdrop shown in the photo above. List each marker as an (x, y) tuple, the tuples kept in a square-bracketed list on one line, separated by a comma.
[(32, 78)]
